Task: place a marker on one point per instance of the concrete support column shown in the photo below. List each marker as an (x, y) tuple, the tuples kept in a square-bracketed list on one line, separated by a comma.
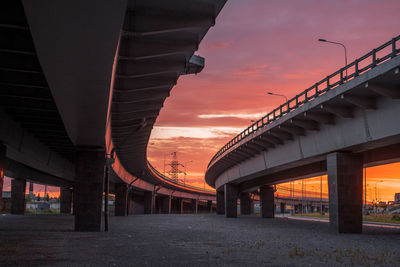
[(88, 194), (121, 199), (169, 204), (181, 203), (245, 203), (65, 199), (165, 205), (129, 204), (195, 206), (209, 205), (231, 196), (267, 201), (148, 202), (345, 181), (283, 207), (3, 150), (220, 202), (18, 188)]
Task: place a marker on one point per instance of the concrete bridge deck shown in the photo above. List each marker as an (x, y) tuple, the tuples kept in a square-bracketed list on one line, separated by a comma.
[(82, 81), (337, 127), (191, 240)]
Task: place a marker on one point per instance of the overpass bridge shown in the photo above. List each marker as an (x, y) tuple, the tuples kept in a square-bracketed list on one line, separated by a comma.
[(81, 84), (337, 126)]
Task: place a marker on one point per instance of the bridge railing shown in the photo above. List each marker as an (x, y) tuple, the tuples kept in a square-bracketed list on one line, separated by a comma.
[(188, 186), (367, 62), (285, 192)]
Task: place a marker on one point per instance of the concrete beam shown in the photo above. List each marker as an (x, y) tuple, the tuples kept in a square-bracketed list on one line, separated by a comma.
[(384, 90), (151, 22), (264, 143), (140, 50), (283, 135), (345, 181), (360, 101), (341, 111), (292, 129), (320, 117), (271, 139), (305, 124)]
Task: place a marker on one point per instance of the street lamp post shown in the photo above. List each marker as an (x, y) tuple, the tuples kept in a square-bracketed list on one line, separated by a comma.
[(345, 51), (286, 99)]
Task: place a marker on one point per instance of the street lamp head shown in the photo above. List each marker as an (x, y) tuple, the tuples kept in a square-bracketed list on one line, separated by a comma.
[(321, 40), (269, 93)]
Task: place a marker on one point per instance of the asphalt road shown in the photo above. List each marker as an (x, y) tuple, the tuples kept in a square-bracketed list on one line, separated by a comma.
[(192, 240)]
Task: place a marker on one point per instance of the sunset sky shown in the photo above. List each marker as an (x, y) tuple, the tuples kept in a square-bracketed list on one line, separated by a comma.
[(258, 46)]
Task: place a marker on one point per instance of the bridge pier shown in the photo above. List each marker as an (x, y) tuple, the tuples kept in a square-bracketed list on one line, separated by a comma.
[(88, 187), (165, 205), (231, 195), (65, 199), (345, 181), (136, 203), (283, 207), (3, 150), (209, 206), (245, 203), (121, 199), (148, 202), (18, 188), (267, 201), (181, 205), (220, 202), (194, 206)]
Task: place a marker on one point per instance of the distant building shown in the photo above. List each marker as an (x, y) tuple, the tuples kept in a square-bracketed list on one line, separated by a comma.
[(7, 200), (397, 197)]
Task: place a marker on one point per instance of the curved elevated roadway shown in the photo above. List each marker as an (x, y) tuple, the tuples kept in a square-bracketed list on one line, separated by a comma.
[(336, 126), (84, 80)]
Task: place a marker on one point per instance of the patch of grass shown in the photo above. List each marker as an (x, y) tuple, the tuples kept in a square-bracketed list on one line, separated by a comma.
[(50, 211), (384, 218), (296, 252), (10, 248), (314, 215)]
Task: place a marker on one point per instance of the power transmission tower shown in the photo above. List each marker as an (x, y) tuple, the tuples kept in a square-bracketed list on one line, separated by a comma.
[(175, 164)]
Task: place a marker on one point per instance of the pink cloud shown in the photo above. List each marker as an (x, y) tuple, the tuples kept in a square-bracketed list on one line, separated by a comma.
[(217, 45)]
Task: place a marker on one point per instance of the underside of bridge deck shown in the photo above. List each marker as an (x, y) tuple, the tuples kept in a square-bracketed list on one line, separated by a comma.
[(76, 88)]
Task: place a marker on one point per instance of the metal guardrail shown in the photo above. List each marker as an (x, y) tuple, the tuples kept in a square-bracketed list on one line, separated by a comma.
[(283, 191), (179, 183), (332, 81)]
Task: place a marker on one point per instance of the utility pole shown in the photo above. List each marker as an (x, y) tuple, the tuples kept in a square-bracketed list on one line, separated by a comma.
[(365, 191), (320, 202)]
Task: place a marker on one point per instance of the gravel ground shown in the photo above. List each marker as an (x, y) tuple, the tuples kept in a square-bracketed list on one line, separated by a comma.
[(191, 240)]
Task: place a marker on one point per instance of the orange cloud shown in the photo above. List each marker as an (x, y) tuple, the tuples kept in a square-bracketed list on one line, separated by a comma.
[(217, 45), (265, 45)]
